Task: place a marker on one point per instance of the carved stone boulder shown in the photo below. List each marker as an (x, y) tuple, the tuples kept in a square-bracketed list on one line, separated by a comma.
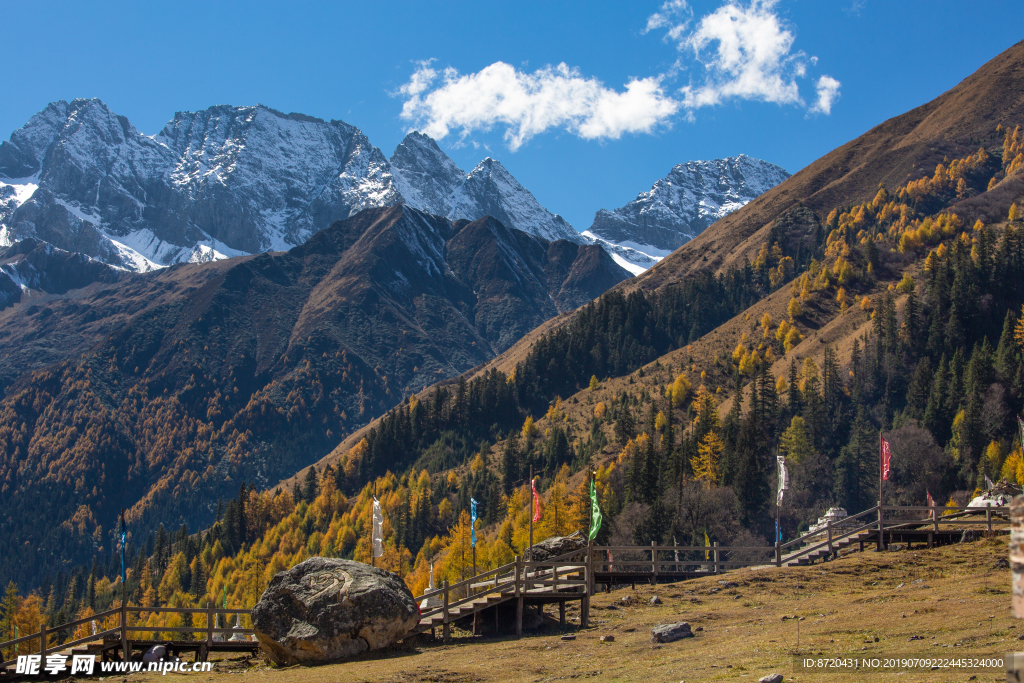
[(326, 609)]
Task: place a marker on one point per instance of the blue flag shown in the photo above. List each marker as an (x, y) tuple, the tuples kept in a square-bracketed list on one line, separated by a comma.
[(124, 540), (778, 532), (472, 517)]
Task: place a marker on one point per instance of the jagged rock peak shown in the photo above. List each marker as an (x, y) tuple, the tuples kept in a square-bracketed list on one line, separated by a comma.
[(681, 205)]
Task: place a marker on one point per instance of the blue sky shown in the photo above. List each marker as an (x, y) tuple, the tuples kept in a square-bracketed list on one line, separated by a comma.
[(572, 137)]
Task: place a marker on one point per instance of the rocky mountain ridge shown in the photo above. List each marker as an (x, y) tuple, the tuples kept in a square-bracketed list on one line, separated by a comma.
[(227, 181), (681, 205)]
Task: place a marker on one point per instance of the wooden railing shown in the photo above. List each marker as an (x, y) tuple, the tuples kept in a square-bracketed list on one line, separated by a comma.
[(46, 634), (621, 560), (514, 580)]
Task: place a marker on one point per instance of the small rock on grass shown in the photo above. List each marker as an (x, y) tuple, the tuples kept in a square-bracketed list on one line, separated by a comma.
[(607, 639), (668, 633), (655, 600), (771, 678), (569, 637)]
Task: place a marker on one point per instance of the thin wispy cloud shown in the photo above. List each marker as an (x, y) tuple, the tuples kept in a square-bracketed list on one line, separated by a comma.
[(737, 52)]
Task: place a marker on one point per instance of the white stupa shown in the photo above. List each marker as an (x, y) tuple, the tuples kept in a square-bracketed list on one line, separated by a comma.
[(431, 601)]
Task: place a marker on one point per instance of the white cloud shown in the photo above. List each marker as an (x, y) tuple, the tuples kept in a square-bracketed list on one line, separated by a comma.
[(747, 53), (669, 11), (828, 92), (530, 103)]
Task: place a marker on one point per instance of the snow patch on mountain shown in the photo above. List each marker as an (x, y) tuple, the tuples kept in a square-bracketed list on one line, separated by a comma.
[(430, 181), (681, 205)]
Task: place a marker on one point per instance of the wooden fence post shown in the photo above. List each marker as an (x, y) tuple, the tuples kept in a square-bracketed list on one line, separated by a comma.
[(881, 539), (42, 640), (828, 531), (988, 518), (125, 652), (778, 553), (446, 629), (654, 564), (209, 624), (585, 600), (1017, 556), (519, 598)]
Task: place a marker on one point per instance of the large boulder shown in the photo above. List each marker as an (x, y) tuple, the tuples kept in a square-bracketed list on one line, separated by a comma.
[(669, 633), (325, 609), (558, 545)]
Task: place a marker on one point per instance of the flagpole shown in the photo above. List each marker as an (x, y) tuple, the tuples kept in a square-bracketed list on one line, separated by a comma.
[(532, 504), (373, 560), (880, 467), (124, 593), (881, 539), (590, 541), (778, 507)]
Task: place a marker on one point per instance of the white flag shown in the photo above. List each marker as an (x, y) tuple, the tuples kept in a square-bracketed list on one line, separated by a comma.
[(783, 478), (377, 534)]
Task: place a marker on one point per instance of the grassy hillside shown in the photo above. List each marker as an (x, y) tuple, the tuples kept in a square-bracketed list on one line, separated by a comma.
[(947, 602)]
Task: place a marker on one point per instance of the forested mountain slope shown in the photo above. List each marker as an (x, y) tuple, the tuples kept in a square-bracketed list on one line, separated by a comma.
[(160, 392)]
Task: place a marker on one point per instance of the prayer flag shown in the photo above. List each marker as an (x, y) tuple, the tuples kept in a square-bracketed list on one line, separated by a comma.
[(536, 501), (1020, 424), (377, 532), (707, 544), (472, 519), (595, 514), (886, 456), (124, 540), (783, 478)]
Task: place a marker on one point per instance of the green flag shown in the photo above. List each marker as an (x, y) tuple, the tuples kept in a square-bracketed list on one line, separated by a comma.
[(224, 598), (595, 518)]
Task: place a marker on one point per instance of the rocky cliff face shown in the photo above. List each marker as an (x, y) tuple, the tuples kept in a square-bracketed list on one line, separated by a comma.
[(217, 183), (681, 205), (227, 181), (430, 181)]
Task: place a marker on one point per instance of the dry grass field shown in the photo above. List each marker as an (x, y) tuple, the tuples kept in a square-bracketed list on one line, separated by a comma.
[(948, 602)]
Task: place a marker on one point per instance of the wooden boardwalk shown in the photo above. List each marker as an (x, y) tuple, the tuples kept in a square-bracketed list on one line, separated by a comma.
[(879, 526)]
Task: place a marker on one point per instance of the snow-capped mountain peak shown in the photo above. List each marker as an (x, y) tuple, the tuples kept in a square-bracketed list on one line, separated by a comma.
[(681, 205), (226, 181)]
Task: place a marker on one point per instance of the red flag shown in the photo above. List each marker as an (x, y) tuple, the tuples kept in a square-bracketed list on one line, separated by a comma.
[(885, 459), (536, 501), (931, 501)]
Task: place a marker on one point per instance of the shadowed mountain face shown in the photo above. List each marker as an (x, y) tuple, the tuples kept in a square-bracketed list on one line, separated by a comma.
[(161, 391)]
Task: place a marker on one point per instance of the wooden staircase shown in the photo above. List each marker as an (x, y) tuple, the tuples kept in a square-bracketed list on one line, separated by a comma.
[(464, 610), (798, 558), (553, 580)]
